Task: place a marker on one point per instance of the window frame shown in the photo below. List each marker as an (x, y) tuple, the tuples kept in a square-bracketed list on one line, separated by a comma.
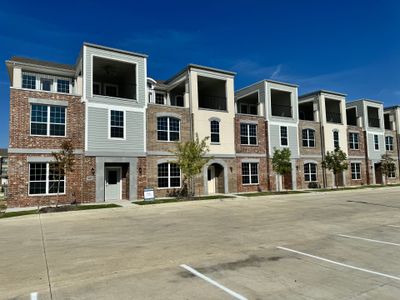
[(250, 175), (47, 180), (69, 85), (35, 83), (168, 131), (392, 173), (215, 133), (169, 176), (51, 84), (355, 173), (248, 136), (354, 143), (336, 141), (308, 140), (389, 146), (376, 142), (109, 125), (164, 98), (284, 137), (48, 122), (309, 174)]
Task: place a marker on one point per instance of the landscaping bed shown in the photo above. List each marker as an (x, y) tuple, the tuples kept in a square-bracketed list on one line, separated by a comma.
[(169, 200)]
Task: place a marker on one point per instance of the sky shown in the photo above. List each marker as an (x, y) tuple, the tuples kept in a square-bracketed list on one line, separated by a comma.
[(351, 47)]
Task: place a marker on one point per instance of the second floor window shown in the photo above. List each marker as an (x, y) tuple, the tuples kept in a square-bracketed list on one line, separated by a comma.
[(376, 142), (284, 136), (353, 141), (62, 86), (168, 129), (47, 120), (117, 124), (308, 136), (28, 81), (214, 131), (389, 143), (248, 134), (336, 139)]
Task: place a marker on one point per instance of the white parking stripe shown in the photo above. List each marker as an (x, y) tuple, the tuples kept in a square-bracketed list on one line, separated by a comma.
[(368, 240), (395, 226), (34, 296), (213, 282), (341, 264)]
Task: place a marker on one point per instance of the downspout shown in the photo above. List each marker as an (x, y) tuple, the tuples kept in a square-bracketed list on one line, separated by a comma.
[(324, 181), (366, 157)]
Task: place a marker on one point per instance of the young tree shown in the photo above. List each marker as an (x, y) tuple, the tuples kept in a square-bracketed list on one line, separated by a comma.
[(335, 161), (190, 157), (281, 163), (388, 166), (64, 162)]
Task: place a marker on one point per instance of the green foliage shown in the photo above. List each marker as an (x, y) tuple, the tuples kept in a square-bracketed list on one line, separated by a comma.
[(335, 161), (387, 165), (190, 157), (281, 163)]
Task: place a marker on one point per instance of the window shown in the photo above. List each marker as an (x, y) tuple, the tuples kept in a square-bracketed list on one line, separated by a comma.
[(62, 86), (43, 179), (28, 81), (310, 172), (248, 134), (169, 175), (336, 139), (250, 109), (168, 129), (96, 88), (389, 143), (46, 84), (355, 171), (214, 131), (111, 90), (284, 136), (376, 142), (177, 101), (117, 124), (47, 120), (249, 173), (160, 99), (391, 171), (308, 138), (353, 140)]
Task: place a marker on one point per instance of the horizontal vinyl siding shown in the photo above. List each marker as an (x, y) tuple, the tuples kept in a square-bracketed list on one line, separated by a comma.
[(372, 153), (98, 132), (274, 139)]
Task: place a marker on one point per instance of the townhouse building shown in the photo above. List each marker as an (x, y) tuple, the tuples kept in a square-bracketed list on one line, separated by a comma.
[(124, 127)]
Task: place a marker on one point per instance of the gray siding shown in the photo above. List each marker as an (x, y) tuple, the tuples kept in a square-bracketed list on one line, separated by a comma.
[(372, 153), (274, 139), (98, 140)]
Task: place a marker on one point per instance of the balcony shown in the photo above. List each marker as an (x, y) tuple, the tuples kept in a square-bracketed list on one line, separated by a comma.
[(333, 110), (373, 117), (333, 117), (212, 93), (281, 110), (374, 122), (248, 104), (306, 111), (213, 102), (281, 103)]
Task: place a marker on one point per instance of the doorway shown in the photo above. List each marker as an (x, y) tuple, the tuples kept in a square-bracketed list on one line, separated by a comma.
[(113, 189), (215, 179), (378, 173)]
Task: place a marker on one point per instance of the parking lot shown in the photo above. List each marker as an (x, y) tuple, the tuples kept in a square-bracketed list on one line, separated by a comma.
[(329, 245)]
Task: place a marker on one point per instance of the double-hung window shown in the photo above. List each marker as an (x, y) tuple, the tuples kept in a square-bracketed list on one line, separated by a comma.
[(284, 136), (214, 131), (47, 120), (355, 171), (308, 138), (376, 142), (28, 81), (46, 179), (389, 143), (310, 172), (63, 86), (117, 124), (248, 134), (169, 175), (168, 129), (354, 140), (392, 171), (249, 173), (336, 139), (160, 98)]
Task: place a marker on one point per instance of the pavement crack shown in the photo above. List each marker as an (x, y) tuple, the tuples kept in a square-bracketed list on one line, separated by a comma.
[(45, 256)]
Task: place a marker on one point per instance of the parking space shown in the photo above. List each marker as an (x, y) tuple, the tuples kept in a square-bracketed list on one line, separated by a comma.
[(342, 245)]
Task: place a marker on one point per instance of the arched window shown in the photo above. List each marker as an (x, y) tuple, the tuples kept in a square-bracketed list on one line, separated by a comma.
[(310, 172), (169, 175), (168, 129), (308, 138), (214, 124)]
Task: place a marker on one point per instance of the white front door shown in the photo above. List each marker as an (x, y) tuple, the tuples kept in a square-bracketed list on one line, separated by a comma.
[(113, 184), (211, 179)]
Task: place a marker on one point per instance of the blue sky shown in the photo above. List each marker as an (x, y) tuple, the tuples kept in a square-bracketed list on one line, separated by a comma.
[(346, 46)]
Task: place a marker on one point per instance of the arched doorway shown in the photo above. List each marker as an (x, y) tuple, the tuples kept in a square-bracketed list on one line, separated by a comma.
[(215, 180)]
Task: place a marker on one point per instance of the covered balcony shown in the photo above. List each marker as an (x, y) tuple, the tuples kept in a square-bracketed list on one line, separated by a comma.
[(387, 121), (351, 114), (306, 111), (114, 78), (176, 95), (332, 111), (248, 104), (281, 103), (211, 93), (373, 117)]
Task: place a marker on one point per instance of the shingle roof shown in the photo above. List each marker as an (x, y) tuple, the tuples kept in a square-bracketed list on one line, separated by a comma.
[(42, 63)]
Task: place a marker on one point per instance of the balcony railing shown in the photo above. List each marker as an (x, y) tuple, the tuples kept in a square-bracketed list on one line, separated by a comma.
[(280, 110), (212, 102), (374, 122), (333, 117)]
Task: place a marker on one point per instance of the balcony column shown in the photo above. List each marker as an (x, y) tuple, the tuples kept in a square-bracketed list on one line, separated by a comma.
[(316, 111), (359, 122), (186, 94)]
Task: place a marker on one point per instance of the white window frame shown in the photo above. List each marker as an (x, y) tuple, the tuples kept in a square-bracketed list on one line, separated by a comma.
[(357, 170), (215, 133), (51, 84), (309, 174), (352, 142), (334, 139), (251, 174), (36, 81), (164, 98), (168, 131), (109, 125), (106, 85), (308, 139), (248, 134), (47, 180), (287, 136), (48, 121), (376, 142), (389, 145), (169, 177), (69, 86)]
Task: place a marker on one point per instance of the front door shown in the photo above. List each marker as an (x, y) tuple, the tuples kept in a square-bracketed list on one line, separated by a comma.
[(378, 173), (211, 180), (113, 184)]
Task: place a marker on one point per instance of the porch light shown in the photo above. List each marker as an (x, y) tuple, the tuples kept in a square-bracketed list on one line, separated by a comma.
[(92, 171), (140, 171)]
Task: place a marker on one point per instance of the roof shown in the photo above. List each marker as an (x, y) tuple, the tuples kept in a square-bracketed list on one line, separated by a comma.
[(37, 62), (3, 152), (318, 92), (392, 107), (114, 50), (283, 83), (364, 99)]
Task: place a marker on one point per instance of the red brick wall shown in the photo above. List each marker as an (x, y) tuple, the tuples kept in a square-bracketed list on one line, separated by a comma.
[(361, 142), (261, 134), (141, 176), (262, 177)]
